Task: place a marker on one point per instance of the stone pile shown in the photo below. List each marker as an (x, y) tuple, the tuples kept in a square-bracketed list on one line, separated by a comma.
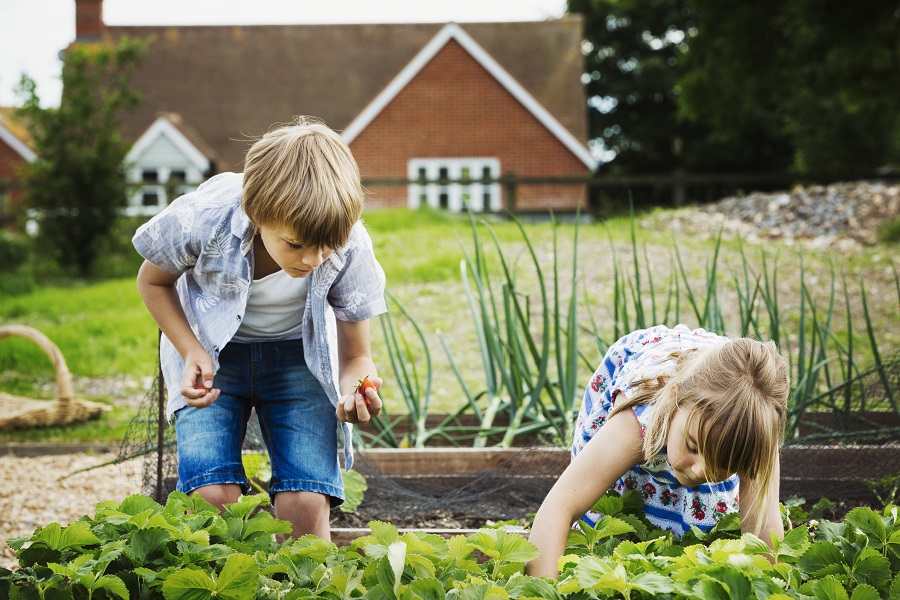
[(841, 213)]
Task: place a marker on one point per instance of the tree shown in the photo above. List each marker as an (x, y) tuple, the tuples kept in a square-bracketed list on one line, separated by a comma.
[(76, 184), (633, 51), (636, 55), (823, 72)]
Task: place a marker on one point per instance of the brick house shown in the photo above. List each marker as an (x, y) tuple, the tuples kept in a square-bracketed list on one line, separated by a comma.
[(15, 153), (416, 102)]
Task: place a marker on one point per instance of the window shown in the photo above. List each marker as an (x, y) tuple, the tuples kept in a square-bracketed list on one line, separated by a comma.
[(150, 176), (150, 196), (455, 183)]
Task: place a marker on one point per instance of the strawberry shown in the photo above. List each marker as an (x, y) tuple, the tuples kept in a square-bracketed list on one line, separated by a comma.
[(364, 384)]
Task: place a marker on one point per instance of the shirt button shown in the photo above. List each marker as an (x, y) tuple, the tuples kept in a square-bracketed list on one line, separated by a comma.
[(239, 317)]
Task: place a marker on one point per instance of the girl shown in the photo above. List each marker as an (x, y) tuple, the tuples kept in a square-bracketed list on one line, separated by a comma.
[(685, 418)]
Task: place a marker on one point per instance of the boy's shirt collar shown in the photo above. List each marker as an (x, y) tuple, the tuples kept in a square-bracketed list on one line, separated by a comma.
[(244, 230)]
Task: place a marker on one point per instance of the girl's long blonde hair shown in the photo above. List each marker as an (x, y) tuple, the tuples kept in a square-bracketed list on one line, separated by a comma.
[(738, 392)]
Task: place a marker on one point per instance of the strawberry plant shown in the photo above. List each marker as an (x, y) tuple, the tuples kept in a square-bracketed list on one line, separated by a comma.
[(186, 549)]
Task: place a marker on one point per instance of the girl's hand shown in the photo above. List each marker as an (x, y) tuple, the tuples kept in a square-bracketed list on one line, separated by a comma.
[(197, 380), (358, 408)]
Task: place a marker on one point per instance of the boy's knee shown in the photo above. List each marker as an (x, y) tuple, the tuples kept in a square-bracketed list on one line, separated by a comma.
[(302, 501), (219, 494)]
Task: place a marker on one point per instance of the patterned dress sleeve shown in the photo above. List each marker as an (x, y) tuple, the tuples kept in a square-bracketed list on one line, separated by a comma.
[(607, 380)]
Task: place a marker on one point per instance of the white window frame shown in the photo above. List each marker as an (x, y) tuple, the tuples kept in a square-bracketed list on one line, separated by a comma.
[(478, 196)]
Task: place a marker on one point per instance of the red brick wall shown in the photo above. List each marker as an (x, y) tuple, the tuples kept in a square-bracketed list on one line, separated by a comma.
[(454, 108), (11, 162)]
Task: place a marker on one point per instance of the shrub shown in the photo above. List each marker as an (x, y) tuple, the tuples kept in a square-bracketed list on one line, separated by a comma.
[(186, 549)]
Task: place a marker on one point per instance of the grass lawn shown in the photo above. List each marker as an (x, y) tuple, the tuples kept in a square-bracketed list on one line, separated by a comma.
[(106, 335)]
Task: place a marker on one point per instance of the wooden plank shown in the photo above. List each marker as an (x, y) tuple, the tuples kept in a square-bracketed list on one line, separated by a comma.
[(406, 461)]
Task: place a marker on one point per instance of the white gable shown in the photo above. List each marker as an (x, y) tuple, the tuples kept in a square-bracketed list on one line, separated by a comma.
[(163, 145), (452, 31), (20, 147)]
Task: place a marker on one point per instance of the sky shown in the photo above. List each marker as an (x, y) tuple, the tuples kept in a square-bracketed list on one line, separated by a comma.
[(32, 32)]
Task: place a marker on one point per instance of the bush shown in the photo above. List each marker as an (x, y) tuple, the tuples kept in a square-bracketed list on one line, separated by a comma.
[(15, 249), (889, 233), (186, 549)]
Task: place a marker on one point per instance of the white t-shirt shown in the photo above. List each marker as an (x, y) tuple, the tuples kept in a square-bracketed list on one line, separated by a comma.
[(274, 309)]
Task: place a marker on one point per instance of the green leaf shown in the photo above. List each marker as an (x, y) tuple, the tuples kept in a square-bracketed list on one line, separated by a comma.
[(822, 558), (829, 589), (652, 583), (147, 541), (735, 583), (384, 533), (601, 575), (265, 523), (895, 589), (427, 588), (869, 523), (188, 584), (354, 490), (872, 568), (238, 579), (710, 590), (501, 546), (396, 556), (865, 592), (523, 586), (245, 505), (256, 466), (609, 505), (75, 535), (795, 543), (138, 503), (112, 584)]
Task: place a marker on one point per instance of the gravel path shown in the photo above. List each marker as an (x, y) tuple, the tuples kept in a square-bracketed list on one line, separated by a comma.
[(31, 493)]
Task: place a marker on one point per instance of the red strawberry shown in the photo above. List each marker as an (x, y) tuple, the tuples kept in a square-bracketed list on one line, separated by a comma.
[(364, 384)]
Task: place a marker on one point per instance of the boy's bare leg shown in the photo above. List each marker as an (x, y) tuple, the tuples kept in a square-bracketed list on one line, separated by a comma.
[(307, 512), (219, 494)]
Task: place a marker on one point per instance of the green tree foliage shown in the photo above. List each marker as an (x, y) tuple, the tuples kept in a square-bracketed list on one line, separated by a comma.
[(633, 58), (825, 70), (704, 85), (76, 183), (637, 54)]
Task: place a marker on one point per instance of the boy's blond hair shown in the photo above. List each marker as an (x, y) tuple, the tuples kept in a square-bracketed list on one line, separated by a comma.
[(738, 391), (303, 176)]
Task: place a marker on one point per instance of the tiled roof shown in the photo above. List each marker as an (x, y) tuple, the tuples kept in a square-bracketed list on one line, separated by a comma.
[(15, 124), (231, 83)]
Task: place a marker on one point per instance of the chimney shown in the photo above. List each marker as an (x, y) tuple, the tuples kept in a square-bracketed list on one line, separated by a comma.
[(89, 20)]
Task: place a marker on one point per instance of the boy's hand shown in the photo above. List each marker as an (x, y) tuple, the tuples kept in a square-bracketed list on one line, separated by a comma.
[(197, 380), (361, 405)]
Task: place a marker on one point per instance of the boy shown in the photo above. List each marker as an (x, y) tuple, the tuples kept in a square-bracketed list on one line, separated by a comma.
[(260, 282)]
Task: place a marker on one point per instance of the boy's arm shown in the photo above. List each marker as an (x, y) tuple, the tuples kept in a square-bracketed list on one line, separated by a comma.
[(771, 513), (355, 363), (614, 449), (157, 289)]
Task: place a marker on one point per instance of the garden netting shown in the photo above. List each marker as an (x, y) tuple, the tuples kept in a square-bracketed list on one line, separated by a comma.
[(845, 447)]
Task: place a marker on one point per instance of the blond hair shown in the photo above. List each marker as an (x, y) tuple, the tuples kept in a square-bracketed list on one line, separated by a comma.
[(303, 176), (738, 392)]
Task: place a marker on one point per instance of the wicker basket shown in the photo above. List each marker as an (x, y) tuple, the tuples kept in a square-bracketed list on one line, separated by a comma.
[(17, 412)]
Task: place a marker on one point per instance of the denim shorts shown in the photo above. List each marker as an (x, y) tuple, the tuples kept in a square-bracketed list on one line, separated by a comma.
[(298, 423)]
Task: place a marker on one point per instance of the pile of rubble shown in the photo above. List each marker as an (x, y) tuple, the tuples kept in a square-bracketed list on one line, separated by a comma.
[(841, 213)]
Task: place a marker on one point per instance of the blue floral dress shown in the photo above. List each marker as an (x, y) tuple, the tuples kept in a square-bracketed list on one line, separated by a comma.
[(639, 355)]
